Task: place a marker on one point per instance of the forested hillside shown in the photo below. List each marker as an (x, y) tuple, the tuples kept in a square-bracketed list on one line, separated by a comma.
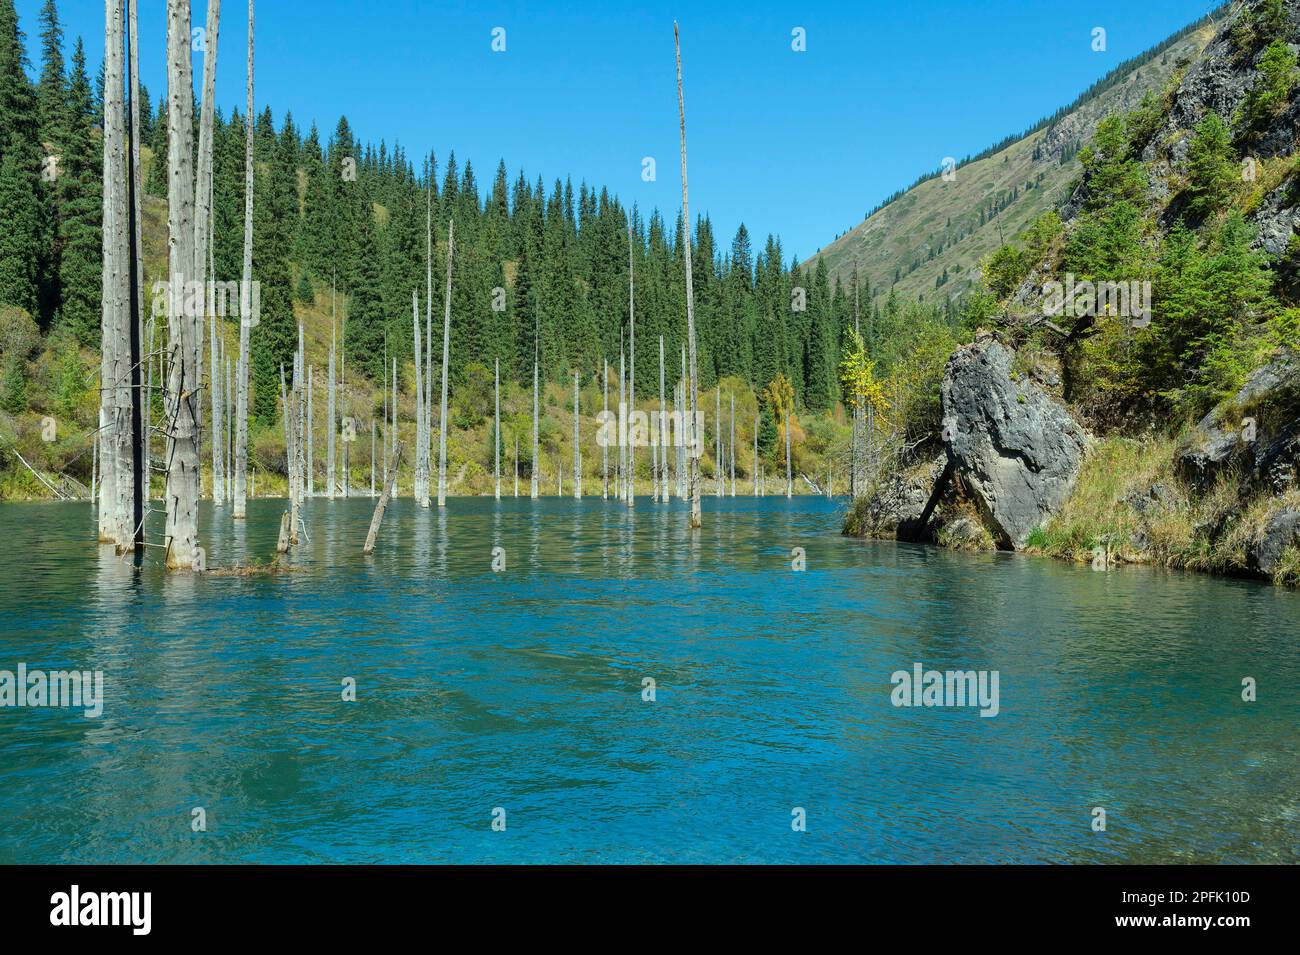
[(340, 241)]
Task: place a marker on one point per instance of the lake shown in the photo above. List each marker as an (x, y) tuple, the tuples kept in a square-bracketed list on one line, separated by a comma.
[(522, 690)]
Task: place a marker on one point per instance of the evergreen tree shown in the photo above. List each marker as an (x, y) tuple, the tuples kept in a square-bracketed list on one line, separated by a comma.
[(275, 204), (1211, 171), (80, 212), (24, 238)]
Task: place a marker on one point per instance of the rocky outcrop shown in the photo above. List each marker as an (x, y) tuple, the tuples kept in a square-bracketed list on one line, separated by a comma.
[(1014, 448), (903, 504), (1280, 532), (1276, 219), (1255, 433), (1219, 82)]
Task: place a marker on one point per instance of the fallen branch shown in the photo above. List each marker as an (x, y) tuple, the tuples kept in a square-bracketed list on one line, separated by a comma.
[(378, 517)]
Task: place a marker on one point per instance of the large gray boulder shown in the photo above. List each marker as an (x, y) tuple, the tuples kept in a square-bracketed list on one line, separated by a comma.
[(1015, 449), (1256, 433), (1280, 532)]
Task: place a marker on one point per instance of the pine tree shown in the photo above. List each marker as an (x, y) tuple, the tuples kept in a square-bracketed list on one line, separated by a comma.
[(23, 238), (367, 322), (1211, 171), (81, 211), (274, 205), (52, 90)]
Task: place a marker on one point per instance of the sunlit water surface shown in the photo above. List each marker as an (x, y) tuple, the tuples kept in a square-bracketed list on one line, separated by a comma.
[(523, 690)]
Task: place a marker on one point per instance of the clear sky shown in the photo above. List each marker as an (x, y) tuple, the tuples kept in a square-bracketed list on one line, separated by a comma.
[(801, 144)]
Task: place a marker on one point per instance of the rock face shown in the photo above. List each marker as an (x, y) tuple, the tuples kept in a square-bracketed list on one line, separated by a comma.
[(1256, 432), (1281, 531), (1016, 450), (902, 505)]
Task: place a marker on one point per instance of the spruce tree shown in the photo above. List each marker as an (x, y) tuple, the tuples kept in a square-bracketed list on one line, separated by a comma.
[(274, 207), (23, 237), (80, 211)]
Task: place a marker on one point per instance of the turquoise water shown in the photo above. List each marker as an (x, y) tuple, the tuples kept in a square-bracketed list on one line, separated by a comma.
[(523, 690)]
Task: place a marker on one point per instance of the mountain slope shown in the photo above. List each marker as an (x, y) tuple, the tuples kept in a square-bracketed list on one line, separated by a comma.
[(940, 225)]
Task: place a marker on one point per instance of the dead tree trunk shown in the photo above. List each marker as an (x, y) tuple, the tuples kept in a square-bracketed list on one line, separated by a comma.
[(694, 463), (631, 369), (604, 445), (330, 409), (428, 329), (533, 489), (393, 440), (290, 456), (246, 318), (620, 476), (688, 429), (577, 448), (496, 428), (311, 420), (663, 420), (789, 473), (230, 421), (139, 491), (377, 518), (114, 379), (731, 446), (183, 382), (720, 452), (202, 231), (421, 489), (446, 353)]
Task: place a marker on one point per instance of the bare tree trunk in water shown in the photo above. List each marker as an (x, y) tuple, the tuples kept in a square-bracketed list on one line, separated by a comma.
[(631, 370), (663, 448), (719, 450), (428, 328), (535, 383), (694, 463), (139, 463), (446, 352), (230, 425), (577, 450), (183, 384), (245, 298), (604, 445), (496, 429), (114, 376), (688, 428), (789, 473), (331, 411), (393, 441), (377, 518), (311, 419), (202, 231), (421, 489), (620, 476)]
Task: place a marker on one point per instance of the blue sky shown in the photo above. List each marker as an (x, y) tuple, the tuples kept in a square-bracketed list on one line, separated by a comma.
[(801, 144)]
